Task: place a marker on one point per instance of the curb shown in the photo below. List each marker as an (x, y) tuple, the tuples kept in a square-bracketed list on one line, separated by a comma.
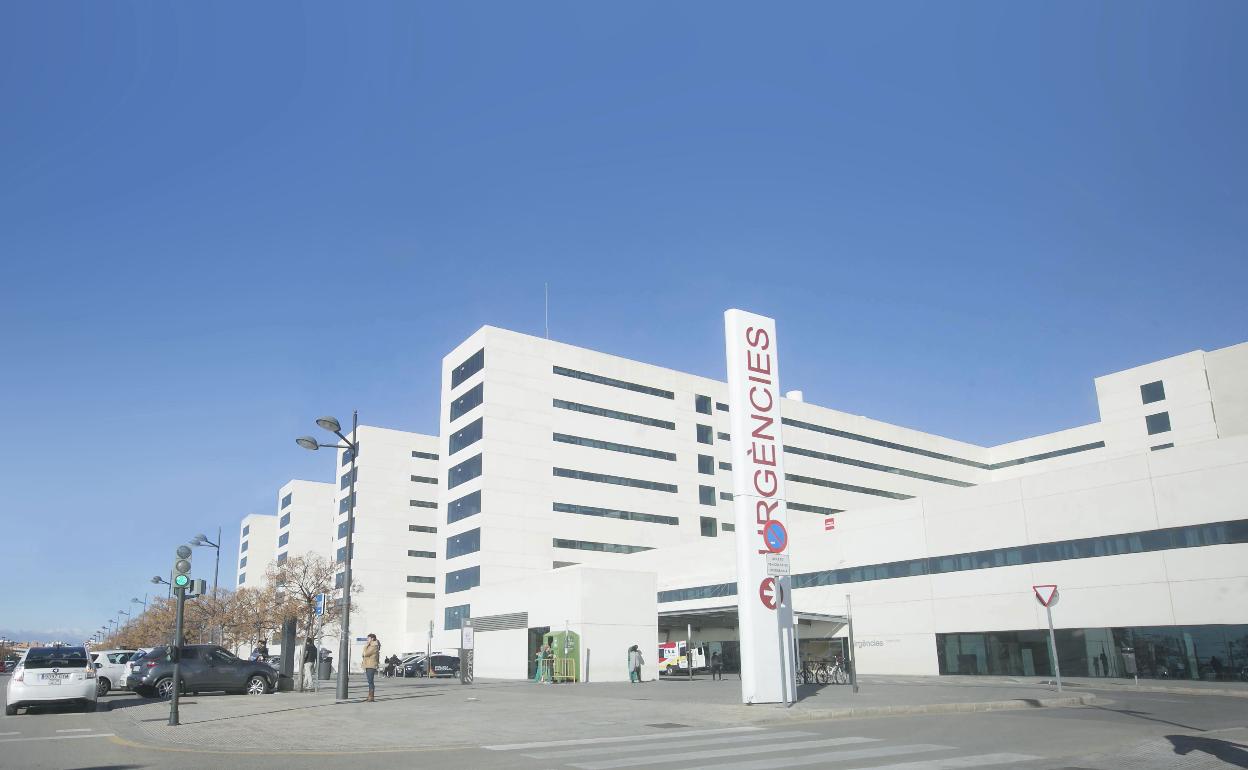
[(932, 708), (1127, 688)]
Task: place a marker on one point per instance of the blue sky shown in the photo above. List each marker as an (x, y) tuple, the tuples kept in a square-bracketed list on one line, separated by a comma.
[(220, 221)]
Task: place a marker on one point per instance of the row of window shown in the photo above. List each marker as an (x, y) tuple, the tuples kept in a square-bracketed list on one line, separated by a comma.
[(471, 365), (614, 383), (614, 513), (611, 446), (463, 543), (284, 521), (422, 504), (466, 506), (1171, 538), (465, 471), (874, 466), (422, 554), (424, 455), (420, 579), (846, 487), (468, 401), (559, 403), (587, 545), (421, 528), (419, 595), (467, 435), (286, 500), (727, 496), (623, 481), (463, 579), (424, 479)]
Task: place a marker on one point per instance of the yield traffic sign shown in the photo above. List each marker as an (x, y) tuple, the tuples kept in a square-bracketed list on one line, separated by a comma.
[(1045, 594)]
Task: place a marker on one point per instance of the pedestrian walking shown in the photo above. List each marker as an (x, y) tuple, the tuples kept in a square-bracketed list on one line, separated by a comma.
[(260, 651), (372, 656), (537, 666), (635, 662), (309, 662), (717, 666)]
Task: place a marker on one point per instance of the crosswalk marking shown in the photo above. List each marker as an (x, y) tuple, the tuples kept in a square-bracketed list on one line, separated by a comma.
[(56, 738), (718, 740), (621, 739), (75, 730), (952, 763), (738, 751)]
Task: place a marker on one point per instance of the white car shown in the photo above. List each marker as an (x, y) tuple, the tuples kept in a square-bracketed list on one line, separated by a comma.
[(49, 676), (111, 669)]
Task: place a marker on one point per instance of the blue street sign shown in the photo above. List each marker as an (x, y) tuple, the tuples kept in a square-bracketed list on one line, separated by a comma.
[(320, 604)]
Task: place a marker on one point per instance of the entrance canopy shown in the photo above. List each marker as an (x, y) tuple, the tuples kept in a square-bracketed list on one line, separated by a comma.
[(726, 617)]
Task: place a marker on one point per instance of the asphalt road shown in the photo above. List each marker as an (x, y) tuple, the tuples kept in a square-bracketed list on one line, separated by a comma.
[(1139, 731)]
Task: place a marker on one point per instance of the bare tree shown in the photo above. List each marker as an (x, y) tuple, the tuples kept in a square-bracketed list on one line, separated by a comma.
[(300, 579)]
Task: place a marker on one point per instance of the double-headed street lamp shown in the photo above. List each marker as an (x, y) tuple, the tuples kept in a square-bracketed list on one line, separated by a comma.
[(351, 445), (202, 539), (157, 580)]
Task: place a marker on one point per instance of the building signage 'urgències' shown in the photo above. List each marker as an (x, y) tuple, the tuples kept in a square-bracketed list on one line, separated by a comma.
[(764, 601)]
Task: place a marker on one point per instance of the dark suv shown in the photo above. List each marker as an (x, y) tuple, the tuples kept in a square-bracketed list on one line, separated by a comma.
[(204, 668)]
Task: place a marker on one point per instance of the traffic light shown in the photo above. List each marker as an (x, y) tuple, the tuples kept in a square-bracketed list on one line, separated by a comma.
[(182, 568)]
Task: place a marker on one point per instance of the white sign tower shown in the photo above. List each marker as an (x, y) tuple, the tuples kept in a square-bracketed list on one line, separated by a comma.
[(764, 601)]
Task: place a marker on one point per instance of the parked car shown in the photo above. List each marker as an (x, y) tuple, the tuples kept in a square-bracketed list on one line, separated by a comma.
[(47, 676), (111, 670), (203, 668), (414, 663), (445, 665)]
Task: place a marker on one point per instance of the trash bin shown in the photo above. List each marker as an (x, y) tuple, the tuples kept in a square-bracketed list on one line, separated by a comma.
[(327, 668)]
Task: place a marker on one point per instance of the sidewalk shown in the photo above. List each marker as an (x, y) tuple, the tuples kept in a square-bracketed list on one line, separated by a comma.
[(418, 714)]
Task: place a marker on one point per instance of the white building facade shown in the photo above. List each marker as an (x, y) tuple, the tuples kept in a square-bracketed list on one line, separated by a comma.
[(306, 519), (555, 455), (257, 547)]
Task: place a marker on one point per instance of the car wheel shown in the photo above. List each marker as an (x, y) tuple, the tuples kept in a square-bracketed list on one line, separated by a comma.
[(10, 711), (164, 688), (102, 687), (257, 685)]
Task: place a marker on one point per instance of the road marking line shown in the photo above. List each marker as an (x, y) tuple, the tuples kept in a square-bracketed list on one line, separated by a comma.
[(10, 733), (57, 737), (957, 762), (830, 757), (740, 750), (76, 730), (620, 739), (664, 746)]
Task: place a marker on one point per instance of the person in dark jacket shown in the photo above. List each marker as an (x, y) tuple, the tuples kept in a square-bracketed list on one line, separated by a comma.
[(309, 663)]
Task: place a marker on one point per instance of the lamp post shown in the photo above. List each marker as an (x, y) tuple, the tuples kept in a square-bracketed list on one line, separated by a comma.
[(202, 540), (136, 600), (157, 580), (351, 445)]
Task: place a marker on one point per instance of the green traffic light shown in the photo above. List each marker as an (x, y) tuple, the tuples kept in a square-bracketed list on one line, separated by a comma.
[(181, 580)]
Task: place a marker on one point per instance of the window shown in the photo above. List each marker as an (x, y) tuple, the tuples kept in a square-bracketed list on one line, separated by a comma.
[(284, 521), (286, 500), (612, 513), (1161, 446), (702, 404), (345, 503), (465, 471), (242, 578), (725, 466), (721, 406), (706, 464), (727, 526), (420, 528), (562, 564), (597, 411), (342, 529), (706, 495), (243, 547), (419, 595), (345, 481), (727, 496), (705, 435), (283, 539), (812, 508), (586, 545), (242, 562), (424, 479), (455, 616), (466, 506), (346, 454), (599, 379), (847, 487), (246, 530), (463, 579), (1157, 423), (708, 526), (425, 455), (341, 555), (338, 579), (723, 436), (419, 579), (422, 504), (468, 435), (473, 364), (463, 543), (467, 402), (611, 446), (422, 554), (874, 466), (281, 557), (1152, 392), (623, 481)]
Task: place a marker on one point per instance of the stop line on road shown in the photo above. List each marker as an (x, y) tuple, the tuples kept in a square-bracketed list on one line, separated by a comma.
[(773, 749)]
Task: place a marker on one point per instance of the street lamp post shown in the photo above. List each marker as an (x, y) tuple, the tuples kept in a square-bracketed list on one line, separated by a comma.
[(202, 540), (351, 445), (157, 580), (136, 600)]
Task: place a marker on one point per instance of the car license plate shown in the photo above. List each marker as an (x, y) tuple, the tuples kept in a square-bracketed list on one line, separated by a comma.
[(55, 678)]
